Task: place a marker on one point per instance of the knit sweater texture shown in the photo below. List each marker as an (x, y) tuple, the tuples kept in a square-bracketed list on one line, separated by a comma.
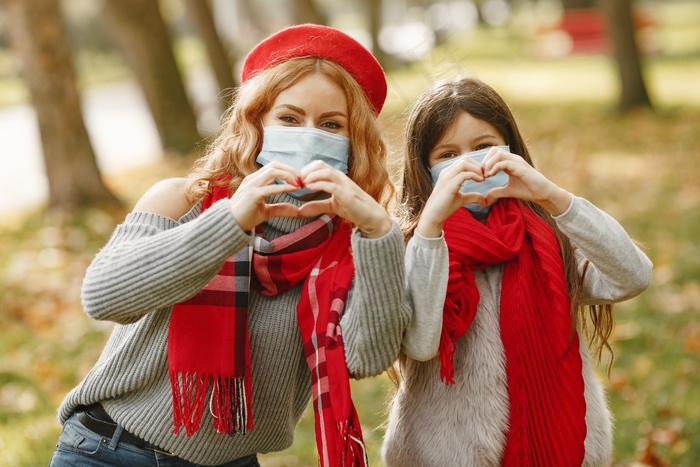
[(152, 262), (465, 424)]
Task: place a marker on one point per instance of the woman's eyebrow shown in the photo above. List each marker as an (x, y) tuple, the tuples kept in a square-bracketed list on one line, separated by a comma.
[(292, 107)]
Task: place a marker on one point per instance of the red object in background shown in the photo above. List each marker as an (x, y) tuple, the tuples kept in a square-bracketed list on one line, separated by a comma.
[(588, 29)]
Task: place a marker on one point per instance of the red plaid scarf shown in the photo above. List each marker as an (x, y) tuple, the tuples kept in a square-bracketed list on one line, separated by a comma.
[(547, 410), (317, 253)]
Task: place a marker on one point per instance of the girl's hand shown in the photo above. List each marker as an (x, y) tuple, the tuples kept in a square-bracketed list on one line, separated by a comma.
[(248, 202), (347, 200), (525, 182), (446, 197)]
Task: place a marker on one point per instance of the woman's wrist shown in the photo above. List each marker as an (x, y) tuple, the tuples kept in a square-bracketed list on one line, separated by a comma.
[(376, 229)]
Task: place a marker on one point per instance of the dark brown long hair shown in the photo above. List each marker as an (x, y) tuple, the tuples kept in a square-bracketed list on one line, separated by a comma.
[(429, 118)]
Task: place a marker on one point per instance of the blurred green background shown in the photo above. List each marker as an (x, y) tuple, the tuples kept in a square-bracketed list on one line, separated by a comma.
[(640, 166)]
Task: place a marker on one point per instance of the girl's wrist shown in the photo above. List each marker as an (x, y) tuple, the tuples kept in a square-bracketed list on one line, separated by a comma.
[(428, 229), (558, 202)]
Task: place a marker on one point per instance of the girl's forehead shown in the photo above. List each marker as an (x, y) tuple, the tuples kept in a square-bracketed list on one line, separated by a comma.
[(466, 126)]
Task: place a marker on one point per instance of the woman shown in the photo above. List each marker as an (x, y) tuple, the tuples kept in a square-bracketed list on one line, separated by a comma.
[(230, 288), (512, 382)]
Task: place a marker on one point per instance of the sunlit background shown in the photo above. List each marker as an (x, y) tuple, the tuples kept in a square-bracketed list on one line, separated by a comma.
[(553, 61)]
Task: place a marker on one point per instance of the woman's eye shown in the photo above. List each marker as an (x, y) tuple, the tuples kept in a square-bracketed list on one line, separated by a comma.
[(288, 119), (331, 125), (448, 155), (483, 146)]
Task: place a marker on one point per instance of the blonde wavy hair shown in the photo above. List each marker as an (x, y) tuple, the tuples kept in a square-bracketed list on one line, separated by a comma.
[(239, 140)]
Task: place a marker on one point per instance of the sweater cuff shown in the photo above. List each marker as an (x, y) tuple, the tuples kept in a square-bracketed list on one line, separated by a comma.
[(571, 212), (431, 243)]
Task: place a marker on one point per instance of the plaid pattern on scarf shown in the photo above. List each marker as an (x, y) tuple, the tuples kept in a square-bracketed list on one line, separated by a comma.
[(547, 408), (328, 269), (209, 345)]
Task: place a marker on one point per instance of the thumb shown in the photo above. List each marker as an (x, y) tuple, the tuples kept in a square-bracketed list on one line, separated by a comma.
[(496, 193)]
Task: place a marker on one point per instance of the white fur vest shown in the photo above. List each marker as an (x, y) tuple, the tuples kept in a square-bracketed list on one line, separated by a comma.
[(465, 424)]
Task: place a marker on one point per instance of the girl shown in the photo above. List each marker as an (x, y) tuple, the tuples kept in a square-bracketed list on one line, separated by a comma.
[(513, 383), (230, 289)]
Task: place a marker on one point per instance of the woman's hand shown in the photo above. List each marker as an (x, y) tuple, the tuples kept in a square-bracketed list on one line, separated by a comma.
[(347, 200), (446, 197), (248, 204), (525, 182)]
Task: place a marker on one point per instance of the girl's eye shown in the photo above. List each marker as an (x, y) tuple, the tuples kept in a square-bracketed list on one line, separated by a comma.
[(448, 155), (483, 146)]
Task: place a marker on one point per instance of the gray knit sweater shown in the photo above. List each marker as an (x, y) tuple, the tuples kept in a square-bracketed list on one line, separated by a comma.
[(465, 424), (152, 262)]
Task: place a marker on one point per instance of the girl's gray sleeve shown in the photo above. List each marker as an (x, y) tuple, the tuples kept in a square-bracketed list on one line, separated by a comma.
[(376, 313), (615, 268), (427, 270), (152, 261)]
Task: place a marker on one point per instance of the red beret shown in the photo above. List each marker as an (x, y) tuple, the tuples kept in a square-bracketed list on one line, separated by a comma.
[(313, 40)]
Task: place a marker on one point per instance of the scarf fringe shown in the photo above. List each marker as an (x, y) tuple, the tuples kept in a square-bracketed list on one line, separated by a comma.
[(189, 395), (351, 447), (447, 352), (229, 404)]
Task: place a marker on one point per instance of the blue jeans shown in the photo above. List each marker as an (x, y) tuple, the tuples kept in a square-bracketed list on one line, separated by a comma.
[(80, 447)]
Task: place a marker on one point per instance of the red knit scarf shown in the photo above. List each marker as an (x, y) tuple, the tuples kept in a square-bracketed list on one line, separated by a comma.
[(547, 409), (208, 343)]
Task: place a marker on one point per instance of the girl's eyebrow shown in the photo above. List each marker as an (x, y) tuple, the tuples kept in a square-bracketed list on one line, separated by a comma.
[(485, 136), (479, 138), (441, 146)]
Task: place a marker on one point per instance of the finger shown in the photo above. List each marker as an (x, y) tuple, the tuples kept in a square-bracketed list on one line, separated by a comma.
[(280, 166), (508, 166), (496, 193), (464, 164), (312, 166), (323, 185), (322, 173), (495, 153), (456, 178), (275, 171), (282, 210), (501, 156), (463, 176), (473, 198), (273, 189), (316, 208)]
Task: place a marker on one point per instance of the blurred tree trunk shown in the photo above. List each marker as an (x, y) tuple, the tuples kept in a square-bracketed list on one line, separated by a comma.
[(306, 11), (249, 10), (218, 55), (621, 30), (573, 4), (38, 36), (374, 14), (142, 35)]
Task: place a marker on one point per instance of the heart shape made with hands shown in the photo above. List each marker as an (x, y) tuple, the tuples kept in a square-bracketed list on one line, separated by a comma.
[(499, 179)]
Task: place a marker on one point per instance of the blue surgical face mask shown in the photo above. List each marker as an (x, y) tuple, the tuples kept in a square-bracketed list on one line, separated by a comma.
[(297, 147), (470, 186)]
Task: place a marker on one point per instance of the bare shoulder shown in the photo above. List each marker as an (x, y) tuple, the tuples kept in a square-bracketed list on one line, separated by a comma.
[(166, 198)]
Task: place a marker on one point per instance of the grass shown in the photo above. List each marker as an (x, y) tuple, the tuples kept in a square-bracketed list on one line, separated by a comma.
[(641, 168)]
